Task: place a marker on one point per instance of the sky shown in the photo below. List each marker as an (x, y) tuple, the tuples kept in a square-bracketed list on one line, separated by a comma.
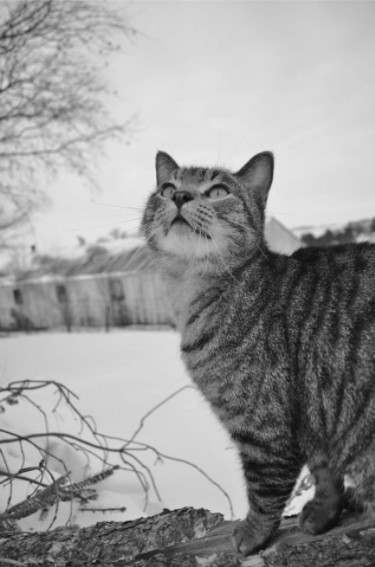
[(215, 82)]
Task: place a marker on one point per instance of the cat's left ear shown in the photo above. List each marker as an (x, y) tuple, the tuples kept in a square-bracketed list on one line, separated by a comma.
[(164, 167), (257, 174)]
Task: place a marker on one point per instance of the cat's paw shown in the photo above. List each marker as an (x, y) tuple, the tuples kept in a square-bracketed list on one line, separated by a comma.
[(249, 537), (317, 516), (351, 502)]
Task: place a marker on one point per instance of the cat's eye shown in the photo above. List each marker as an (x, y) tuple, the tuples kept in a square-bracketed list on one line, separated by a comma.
[(218, 192), (167, 190)]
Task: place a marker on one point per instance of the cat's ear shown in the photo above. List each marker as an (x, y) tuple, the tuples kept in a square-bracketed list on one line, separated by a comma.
[(257, 174), (164, 167)]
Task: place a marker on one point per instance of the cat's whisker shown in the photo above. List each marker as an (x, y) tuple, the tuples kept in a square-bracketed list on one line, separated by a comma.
[(139, 209), (232, 221), (199, 234), (134, 255), (113, 224), (147, 238), (141, 247), (222, 260), (152, 231), (255, 241), (199, 243), (207, 253), (260, 249)]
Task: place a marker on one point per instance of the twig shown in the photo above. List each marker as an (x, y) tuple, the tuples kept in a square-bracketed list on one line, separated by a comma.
[(152, 410), (5, 561), (52, 490), (120, 509)]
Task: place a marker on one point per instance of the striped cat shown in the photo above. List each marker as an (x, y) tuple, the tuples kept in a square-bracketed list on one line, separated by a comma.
[(282, 347)]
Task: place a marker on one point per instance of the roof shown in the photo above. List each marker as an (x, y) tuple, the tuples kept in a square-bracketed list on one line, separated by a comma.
[(281, 239), (97, 260), (133, 256)]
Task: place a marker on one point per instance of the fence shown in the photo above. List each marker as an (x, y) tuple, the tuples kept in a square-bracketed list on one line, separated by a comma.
[(101, 300)]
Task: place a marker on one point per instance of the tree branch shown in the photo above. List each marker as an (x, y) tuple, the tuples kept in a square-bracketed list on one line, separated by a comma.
[(53, 97)]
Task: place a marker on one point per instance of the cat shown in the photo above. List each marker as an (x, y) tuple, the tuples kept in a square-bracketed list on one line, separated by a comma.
[(282, 347)]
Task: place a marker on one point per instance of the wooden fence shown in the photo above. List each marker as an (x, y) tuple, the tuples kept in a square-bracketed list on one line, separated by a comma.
[(101, 300)]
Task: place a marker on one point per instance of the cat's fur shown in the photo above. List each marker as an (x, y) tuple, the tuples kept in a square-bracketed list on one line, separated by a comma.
[(282, 347)]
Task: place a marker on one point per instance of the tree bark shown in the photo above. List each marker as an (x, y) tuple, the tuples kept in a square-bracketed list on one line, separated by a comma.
[(188, 538)]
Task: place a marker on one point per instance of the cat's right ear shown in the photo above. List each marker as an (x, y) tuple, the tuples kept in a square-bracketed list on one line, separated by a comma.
[(164, 167)]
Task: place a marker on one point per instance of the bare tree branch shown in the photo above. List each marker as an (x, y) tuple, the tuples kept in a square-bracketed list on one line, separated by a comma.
[(41, 476), (53, 109)]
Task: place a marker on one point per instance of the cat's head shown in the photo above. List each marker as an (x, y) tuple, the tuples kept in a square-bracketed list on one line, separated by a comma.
[(199, 213)]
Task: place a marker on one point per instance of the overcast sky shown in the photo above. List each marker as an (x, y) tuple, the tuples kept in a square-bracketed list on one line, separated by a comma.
[(217, 82)]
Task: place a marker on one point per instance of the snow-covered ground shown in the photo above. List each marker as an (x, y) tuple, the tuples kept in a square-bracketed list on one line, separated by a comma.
[(119, 377)]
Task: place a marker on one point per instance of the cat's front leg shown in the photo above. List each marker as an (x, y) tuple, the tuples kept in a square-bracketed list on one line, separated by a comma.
[(269, 485), (252, 534)]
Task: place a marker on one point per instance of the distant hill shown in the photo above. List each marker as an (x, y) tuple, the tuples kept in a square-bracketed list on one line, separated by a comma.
[(355, 231)]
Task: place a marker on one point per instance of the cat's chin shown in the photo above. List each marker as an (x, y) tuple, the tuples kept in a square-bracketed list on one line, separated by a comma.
[(182, 241)]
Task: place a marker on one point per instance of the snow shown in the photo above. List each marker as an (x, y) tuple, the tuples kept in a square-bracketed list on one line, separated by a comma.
[(119, 377)]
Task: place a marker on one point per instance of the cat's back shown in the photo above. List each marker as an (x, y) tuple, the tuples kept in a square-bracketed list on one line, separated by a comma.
[(347, 268), (357, 257), (330, 307), (310, 288)]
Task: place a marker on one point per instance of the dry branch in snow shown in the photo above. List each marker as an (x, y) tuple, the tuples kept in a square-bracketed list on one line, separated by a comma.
[(48, 489)]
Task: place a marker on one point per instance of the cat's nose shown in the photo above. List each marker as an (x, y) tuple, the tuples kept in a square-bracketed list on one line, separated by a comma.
[(182, 197)]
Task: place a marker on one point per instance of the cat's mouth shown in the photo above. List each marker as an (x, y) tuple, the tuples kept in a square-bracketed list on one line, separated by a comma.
[(180, 221)]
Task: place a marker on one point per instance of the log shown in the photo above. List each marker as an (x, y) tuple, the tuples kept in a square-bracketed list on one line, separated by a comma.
[(185, 538)]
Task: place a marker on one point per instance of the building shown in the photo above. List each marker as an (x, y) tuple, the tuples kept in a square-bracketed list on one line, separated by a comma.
[(281, 239)]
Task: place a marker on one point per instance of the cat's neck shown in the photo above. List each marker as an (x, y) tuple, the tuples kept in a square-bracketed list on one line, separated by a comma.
[(185, 281)]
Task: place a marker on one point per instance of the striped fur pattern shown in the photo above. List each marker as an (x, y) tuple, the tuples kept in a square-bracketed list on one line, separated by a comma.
[(282, 347)]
